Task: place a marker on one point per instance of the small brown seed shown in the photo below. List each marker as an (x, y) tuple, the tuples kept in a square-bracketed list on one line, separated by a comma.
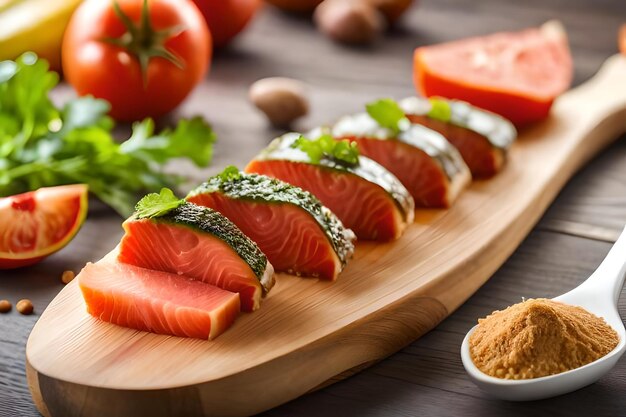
[(283, 100), (67, 277), (349, 21), (25, 306), (5, 306)]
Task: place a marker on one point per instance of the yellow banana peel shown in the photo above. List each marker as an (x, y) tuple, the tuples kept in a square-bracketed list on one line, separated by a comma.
[(34, 25)]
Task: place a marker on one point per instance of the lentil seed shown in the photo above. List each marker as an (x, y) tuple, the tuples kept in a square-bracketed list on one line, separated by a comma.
[(67, 277)]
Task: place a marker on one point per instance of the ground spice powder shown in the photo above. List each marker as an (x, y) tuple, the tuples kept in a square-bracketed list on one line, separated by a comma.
[(539, 337)]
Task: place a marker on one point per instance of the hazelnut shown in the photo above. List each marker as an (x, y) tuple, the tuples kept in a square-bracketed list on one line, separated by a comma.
[(349, 21), (391, 9), (5, 306), (283, 100)]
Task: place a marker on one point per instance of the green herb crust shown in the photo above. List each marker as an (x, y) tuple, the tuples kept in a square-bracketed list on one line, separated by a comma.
[(206, 220), (281, 149), (499, 131), (260, 188)]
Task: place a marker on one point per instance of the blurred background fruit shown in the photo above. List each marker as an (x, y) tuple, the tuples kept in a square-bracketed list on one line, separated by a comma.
[(227, 18), (34, 25)]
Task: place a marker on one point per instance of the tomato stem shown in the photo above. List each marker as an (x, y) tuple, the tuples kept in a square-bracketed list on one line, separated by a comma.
[(143, 41)]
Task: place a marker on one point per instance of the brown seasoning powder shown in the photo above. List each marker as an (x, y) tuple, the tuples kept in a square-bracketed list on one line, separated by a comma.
[(539, 337)]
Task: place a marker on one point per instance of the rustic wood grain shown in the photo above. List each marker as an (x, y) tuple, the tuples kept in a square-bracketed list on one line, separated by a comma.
[(343, 78)]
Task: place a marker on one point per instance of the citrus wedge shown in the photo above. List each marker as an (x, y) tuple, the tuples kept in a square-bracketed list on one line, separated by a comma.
[(36, 224)]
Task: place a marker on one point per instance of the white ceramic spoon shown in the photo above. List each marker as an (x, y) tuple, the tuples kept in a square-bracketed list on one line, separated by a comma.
[(598, 295)]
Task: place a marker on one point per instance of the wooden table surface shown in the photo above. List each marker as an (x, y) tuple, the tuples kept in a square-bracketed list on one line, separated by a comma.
[(427, 377)]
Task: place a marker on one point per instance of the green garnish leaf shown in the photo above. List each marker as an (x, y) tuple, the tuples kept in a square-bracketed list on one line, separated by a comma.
[(342, 152), (230, 173), (156, 205), (440, 110), (387, 113), (43, 146), (192, 139)]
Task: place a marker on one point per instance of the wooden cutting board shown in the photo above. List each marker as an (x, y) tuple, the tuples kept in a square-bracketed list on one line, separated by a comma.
[(310, 333)]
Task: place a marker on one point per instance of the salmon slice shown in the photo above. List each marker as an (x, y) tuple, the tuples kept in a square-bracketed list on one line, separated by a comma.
[(367, 198), (483, 138), (423, 160), (294, 230), (155, 301), (199, 243)]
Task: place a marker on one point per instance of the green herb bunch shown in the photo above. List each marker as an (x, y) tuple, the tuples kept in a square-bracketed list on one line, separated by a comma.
[(42, 145)]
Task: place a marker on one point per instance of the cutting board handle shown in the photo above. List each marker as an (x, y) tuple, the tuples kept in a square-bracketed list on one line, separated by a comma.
[(604, 95)]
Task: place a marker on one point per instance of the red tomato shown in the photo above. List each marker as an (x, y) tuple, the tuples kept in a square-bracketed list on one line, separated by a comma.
[(517, 75), (226, 18), (95, 61)]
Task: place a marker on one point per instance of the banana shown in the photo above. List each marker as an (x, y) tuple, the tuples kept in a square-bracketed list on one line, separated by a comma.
[(34, 25)]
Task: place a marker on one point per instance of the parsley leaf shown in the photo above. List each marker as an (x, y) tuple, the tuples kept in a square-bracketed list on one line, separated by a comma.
[(156, 205), (43, 146), (230, 173), (440, 110), (342, 152), (388, 114), (181, 142)]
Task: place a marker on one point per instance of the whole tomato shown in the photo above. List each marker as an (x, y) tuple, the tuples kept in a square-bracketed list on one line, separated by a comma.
[(226, 18), (144, 57)]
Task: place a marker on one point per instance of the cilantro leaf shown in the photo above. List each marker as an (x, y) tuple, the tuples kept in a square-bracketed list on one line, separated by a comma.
[(440, 110), (342, 152), (387, 113), (157, 205)]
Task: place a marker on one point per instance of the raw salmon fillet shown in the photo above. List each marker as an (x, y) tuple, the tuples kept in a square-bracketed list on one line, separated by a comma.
[(156, 301), (367, 199), (199, 243), (483, 138), (294, 230), (423, 160)]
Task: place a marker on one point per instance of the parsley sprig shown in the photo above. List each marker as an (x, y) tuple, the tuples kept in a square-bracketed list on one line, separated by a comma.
[(42, 145), (230, 173), (157, 205), (440, 109), (342, 152), (388, 114)]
